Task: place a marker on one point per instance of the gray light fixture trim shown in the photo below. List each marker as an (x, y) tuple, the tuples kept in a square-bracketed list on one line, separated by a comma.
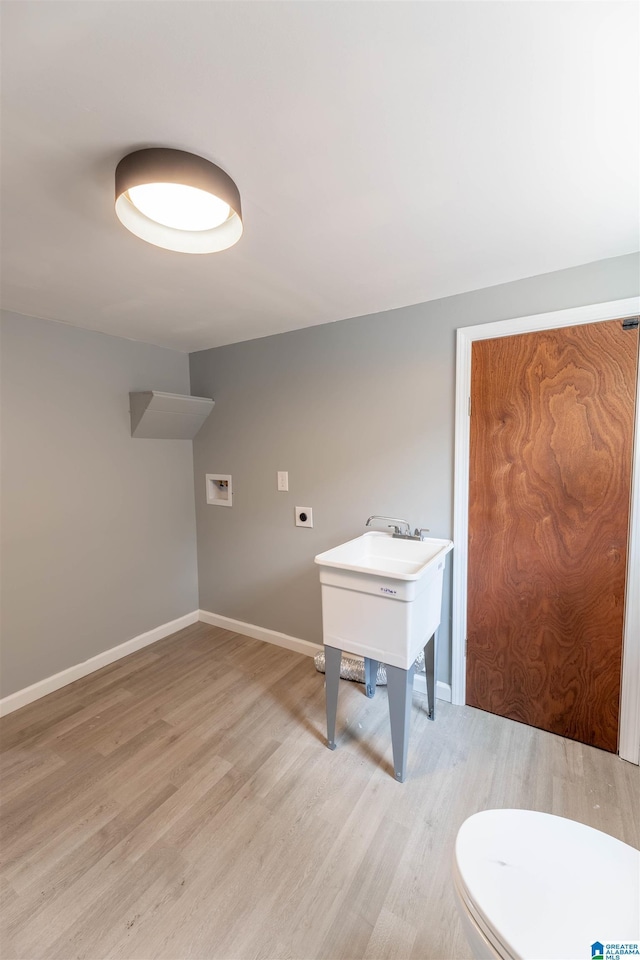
[(163, 165)]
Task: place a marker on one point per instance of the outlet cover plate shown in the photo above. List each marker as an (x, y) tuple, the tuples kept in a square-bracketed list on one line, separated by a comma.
[(308, 514)]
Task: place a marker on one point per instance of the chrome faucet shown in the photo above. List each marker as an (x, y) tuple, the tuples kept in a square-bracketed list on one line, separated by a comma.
[(401, 528), (397, 525)]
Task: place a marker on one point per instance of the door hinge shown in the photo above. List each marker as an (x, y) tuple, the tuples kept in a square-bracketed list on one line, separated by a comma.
[(469, 406), (630, 323)]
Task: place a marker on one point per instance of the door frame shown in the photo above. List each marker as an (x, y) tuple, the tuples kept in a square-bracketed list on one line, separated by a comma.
[(629, 729)]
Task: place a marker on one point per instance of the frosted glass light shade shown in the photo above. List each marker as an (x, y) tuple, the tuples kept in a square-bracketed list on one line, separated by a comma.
[(178, 201), (179, 206)]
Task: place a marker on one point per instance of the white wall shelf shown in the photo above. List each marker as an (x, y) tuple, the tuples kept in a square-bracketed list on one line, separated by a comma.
[(167, 416)]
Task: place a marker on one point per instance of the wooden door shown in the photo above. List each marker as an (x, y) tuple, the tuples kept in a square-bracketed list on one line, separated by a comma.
[(550, 466)]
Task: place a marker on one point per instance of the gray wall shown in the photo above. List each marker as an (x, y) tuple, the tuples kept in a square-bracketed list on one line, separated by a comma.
[(361, 414), (98, 530)]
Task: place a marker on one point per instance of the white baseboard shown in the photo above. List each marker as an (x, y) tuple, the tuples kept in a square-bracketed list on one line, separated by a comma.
[(260, 633), (443, 690), (40, 689)]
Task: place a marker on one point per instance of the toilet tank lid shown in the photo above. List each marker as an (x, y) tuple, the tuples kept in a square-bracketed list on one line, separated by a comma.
[(547, 887)]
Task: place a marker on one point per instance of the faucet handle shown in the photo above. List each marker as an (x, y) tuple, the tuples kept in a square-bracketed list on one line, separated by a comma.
[(421, 532)]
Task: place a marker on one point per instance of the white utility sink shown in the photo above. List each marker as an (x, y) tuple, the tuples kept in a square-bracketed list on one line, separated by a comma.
[(382, 596), (381, 599)]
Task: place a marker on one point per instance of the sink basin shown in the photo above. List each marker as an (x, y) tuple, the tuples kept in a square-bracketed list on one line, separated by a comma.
[(380, 554), (381, 596)]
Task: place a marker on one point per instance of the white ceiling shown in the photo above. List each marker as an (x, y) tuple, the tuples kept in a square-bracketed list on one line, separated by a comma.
[(387, 153)]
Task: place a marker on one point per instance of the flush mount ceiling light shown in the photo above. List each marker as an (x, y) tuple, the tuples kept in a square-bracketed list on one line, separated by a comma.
[(178, 201)]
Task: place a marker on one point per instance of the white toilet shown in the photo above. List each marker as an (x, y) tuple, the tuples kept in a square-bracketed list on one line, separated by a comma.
[(531, 886)]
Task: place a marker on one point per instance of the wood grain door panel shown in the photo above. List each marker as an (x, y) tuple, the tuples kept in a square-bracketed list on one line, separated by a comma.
[(550, 464)]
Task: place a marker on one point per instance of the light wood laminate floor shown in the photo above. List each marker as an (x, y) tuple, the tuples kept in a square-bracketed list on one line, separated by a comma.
[(181, 803)]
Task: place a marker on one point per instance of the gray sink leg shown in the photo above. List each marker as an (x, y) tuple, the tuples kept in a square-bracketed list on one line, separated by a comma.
[(400, 688), (430, 666), (332, 660), (370, 675)]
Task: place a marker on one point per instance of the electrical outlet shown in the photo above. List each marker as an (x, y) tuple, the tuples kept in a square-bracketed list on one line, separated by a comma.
[(304, 517), (283, 480)]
